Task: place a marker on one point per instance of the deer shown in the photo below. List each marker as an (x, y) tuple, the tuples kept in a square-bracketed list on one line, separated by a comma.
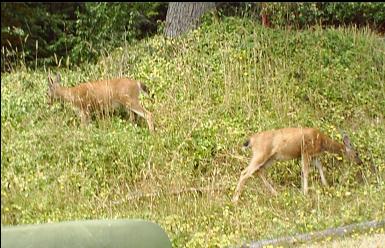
[(102, 95), (291, 143)]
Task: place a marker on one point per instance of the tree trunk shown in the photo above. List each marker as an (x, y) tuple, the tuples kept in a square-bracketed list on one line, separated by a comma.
[(184, 16)]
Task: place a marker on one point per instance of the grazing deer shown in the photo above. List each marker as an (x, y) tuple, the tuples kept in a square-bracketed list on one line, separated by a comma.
[(104, 95), (291, 143)]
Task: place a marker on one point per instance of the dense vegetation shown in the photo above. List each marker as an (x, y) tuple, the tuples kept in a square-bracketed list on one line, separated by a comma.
[(37, 34), (68, 34), (212, 88)]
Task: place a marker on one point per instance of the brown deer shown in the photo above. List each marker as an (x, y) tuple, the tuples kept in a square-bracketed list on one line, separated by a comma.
[(291, 143), (101, 96)]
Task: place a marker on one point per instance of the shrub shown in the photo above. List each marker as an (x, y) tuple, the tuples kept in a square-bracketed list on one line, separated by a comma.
[(34, 34), (302, 15)]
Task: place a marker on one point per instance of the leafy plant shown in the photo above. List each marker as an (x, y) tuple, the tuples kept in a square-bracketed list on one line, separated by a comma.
[(212, 89), (102, 26), (308, 14), (66, 34)]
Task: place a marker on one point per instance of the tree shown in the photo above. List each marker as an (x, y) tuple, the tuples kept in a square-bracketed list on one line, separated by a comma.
[(184, 16)]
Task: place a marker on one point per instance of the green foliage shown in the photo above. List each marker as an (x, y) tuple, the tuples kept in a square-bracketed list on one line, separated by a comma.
[(106, 25), (35, 34), (309, 14), (212, 88), (31, 31), (39, 34)]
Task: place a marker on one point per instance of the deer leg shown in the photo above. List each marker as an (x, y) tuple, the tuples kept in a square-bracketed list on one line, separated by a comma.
[(108, 110), (84, 116), (245, 174), (131, 115), (305, 173), (318, 164), (135, 107), (266, 182)]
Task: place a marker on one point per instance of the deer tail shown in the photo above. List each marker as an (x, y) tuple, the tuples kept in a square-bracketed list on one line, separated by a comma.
[(247, 143), (145, 89)]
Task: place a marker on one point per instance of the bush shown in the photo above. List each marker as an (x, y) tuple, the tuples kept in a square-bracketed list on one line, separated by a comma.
[(34, 34), (302, 15), (106, 25)]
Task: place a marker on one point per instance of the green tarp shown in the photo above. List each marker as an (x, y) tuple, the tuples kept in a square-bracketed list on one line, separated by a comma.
[(84, 234)]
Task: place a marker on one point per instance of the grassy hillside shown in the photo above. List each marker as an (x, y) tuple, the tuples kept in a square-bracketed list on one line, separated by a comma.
[(212, 88)]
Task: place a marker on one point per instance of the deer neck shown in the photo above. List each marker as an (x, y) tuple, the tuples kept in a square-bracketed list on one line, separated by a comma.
[(64, 94), (332, 146)]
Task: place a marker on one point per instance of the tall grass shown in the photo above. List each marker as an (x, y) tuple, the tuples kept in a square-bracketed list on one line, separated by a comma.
[(212, 88)]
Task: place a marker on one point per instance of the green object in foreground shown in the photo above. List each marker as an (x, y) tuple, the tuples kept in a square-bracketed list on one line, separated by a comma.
[(89, 233)]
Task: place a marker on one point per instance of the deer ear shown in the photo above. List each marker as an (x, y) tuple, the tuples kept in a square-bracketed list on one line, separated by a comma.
[(58, 78), (50, 81)]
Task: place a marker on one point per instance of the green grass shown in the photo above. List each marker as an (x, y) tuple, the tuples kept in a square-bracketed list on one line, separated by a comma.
[(356, 241), (212, 88)]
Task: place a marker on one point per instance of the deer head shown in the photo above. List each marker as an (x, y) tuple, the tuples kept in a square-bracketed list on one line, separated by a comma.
[(53, 85), (350, 152)]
